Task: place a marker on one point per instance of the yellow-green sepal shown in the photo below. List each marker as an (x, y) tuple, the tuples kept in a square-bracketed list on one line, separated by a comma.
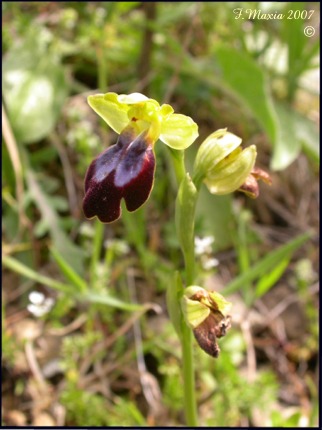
[(218, 302), (108, 107), (194, 312)]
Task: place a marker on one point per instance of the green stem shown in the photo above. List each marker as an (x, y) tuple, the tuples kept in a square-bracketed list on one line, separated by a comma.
[(190, 404), (178, 164), (189, 259), (97, 246)]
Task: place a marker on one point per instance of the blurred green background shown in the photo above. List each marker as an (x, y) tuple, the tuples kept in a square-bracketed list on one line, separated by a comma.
[(85, 334)]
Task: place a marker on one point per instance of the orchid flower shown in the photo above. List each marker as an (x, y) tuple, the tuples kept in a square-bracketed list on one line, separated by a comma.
[(207, 313), (126, 169)]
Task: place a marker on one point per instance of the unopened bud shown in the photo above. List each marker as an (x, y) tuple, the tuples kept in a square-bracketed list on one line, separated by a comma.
[(222, 164)]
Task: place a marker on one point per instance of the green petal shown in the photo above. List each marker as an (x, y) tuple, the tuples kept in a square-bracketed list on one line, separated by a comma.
[(110, 109), (231, 172), (178, 131), (166, 110), (133, 98)]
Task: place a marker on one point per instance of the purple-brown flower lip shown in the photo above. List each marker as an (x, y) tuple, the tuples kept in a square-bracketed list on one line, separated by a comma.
[(124, 170), (212, 328)]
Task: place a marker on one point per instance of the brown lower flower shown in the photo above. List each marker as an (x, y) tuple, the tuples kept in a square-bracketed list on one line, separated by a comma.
[(212, 328)]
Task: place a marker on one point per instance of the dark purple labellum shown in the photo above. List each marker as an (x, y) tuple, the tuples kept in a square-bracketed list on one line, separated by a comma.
[(124, 170)]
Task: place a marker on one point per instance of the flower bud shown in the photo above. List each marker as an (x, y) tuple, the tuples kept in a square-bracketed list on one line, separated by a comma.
[(207, 314), (222, 164)]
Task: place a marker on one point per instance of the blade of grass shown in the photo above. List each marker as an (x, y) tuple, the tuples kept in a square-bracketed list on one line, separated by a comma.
[(68, 271), (266, 263), (14, 155), (16, 266), (70, 252), (269, 279), (97, 246), (112, 301), (23, 270)]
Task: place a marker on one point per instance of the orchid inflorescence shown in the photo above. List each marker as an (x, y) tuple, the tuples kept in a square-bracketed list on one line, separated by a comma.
[(126, 171)]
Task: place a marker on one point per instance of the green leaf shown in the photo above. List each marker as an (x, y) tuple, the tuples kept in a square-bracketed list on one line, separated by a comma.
[(216, 215), (68, 271), (73, 255), (288, 146), (267, 281), (34, 88), (174, 293), (16, 266), (266, 264), (111, 301), (296, 132), (245, 78), (301, 49), (295, 38), (23, 270)]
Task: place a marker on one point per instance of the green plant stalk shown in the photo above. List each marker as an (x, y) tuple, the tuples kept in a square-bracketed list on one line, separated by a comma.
[(178, 164), (190, 404), (97, 246)]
